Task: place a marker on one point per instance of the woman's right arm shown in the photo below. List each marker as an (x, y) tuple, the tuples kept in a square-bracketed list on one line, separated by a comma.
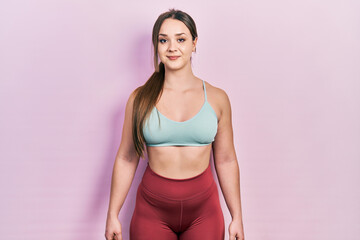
[(124, 169)]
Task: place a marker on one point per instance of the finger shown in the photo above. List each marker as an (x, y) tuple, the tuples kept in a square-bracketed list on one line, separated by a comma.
[(108, 236), (117, 236)]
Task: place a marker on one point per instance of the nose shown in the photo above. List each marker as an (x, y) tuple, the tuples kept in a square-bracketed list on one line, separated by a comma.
[(172, 46)]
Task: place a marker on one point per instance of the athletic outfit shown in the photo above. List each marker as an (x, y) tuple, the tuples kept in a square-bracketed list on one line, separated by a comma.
[(185, 209), (199, 130)]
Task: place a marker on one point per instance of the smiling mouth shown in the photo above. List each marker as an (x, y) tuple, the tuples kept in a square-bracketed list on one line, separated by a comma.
[(173, 57)]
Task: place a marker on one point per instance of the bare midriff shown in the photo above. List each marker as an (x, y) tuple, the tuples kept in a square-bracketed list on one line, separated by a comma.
[(179, 162)]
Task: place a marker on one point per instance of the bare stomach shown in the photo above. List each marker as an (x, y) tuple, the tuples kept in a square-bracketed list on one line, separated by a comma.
[(179, 162)]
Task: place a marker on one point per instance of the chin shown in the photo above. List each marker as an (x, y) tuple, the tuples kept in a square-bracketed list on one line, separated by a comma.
[(174, 65), (171, 68)]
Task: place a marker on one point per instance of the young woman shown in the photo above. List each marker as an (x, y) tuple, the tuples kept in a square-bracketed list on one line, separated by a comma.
[(180, 118)]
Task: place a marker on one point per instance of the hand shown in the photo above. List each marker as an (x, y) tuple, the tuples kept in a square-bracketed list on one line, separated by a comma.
[(113, 229), (236, 230)]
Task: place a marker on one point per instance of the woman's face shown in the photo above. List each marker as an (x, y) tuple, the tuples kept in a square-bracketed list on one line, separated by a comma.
[(175, 40)]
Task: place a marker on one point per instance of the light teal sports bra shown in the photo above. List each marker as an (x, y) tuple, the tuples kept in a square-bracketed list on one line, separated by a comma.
[(199, 130)]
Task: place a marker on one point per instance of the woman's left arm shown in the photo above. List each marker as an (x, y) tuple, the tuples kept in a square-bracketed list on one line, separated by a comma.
[(227, 167)]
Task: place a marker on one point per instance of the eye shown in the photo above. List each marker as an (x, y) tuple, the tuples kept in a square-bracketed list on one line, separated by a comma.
[(182, 39), (161, 40)]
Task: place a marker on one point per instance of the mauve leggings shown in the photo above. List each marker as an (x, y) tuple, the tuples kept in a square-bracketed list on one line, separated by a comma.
[(171, 209)]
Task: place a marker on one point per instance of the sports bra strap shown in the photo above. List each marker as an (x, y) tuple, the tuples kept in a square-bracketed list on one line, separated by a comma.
[(205, 90)]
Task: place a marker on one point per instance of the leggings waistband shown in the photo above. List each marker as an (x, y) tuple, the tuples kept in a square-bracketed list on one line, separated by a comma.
[(177, 189)]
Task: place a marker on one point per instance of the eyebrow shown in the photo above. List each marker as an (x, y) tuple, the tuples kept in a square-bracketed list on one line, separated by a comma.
[(177, 34)]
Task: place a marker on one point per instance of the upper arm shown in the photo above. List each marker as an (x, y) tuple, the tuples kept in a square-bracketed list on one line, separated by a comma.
[(223, 145), (126, 150)]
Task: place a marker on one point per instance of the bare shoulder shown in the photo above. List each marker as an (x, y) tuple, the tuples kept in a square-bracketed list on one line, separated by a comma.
[(218, 99), (131, 98)]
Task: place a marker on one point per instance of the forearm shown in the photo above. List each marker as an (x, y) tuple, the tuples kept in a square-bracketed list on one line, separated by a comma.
[(229, 180), (122, 177)]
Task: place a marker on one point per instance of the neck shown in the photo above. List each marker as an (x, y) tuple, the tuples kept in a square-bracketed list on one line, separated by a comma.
[(179, 79)]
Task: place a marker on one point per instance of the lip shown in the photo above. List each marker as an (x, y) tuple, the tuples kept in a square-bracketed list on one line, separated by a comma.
[(173, 57)]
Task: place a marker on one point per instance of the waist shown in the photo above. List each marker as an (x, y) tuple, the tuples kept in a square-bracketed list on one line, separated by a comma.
[(177, 189)]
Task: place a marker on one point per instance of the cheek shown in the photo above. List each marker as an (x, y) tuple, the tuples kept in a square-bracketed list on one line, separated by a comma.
[(162, 48), (187, 49)]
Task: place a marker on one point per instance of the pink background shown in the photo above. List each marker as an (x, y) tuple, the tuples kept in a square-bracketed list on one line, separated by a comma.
[(290, 68)]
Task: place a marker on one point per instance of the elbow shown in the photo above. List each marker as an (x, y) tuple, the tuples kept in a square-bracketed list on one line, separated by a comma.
[(129, 161), (225, 159)]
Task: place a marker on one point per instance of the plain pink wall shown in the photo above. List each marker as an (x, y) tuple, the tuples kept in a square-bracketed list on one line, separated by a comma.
[(290, 68)]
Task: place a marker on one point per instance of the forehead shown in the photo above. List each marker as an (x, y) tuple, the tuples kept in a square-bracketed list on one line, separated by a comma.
[(171, 27)]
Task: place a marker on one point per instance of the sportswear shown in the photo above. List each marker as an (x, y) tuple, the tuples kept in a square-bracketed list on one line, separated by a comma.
[(199, 130), (172, 209)]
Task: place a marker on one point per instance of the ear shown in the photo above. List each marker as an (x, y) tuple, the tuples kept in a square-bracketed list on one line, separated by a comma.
[(194, 44)]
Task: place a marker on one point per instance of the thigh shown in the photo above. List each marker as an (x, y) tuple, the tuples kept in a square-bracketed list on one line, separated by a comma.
[(208, 223), (146, 224)]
